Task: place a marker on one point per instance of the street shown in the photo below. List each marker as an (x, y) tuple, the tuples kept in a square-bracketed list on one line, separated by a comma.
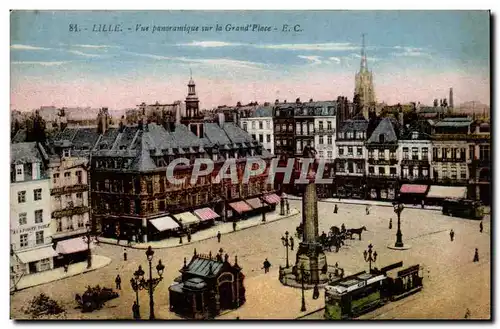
[(452, 282)]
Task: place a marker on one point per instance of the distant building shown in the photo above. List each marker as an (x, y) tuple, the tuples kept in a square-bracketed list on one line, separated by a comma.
[(480, 156), (30, 207), (364, 83), (259, 124)]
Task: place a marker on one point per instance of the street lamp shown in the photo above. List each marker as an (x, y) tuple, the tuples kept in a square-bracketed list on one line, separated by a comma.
[(370, 256), (135, 282), (303, 308), (149, 284), (87, 238), (264, 211), (286, 243), (398, 209)]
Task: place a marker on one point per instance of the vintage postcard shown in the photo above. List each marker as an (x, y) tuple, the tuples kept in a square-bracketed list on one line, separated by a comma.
[(237, 165)]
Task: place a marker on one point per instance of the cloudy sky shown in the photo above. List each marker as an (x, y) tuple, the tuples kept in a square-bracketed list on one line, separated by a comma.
[(414, 56)]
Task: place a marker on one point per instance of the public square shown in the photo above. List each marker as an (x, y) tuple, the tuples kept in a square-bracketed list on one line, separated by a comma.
[(452, 282)]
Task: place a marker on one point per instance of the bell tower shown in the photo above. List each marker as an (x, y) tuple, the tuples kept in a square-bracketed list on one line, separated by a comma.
[(193, 119)]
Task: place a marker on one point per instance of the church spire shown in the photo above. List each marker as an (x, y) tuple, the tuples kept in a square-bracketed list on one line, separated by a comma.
[(364, 63)]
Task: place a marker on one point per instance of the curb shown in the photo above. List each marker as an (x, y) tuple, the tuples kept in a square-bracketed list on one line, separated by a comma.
[(384, 204), (108, 261), (309, 313), (194, 241)]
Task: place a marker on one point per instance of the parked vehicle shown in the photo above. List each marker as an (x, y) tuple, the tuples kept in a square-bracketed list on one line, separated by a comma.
[(463, 208)]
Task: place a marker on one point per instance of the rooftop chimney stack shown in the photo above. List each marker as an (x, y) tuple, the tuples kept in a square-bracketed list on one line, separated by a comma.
[(221, 119)]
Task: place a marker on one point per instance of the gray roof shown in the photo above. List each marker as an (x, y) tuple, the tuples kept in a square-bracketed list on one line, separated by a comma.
[(262, 112), (354, 125), (19, 137), (386, 128), (201, 266), (454, 122), (26, 153)]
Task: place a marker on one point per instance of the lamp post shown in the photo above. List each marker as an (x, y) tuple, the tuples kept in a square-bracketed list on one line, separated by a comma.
[(135, 282), (303, 307), (286, 243), (87, 238), (151, 283), (398, 209), (370, 256), (264, 211)]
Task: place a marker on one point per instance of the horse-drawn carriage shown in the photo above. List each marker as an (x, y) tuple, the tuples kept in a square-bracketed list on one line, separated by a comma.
[(94, 298)]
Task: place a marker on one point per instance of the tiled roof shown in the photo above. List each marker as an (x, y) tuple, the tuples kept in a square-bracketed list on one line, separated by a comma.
[(454, 122), (386, 128), (25, 153), (354, 125), (262, 112), (20, 136), (215, 134)]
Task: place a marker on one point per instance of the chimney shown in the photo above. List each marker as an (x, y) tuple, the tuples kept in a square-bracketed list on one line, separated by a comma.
[(297, 100), (285, 101), (235, 117), (221, 119), (276, 101), (310, 100)]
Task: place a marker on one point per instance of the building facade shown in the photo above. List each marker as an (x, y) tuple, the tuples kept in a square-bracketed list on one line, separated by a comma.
[(30, 232), (415, 153), (479, 145), (259, 124)]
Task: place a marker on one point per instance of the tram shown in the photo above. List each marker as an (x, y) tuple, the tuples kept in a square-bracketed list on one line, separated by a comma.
[(363, 292), (463, 208)]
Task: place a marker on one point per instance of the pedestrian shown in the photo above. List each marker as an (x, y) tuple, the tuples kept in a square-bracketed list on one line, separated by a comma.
[(234, 226), (180, 239), (342, 228), (335, 209), (367, 210), (476, 256), (287, 207), (390, 224), (134, 240), (291, 243), (218, 236), (423, 204), (136, 311), (125, 254), (189, 236), (66, 266), (467, 314), (118, 282), (452, 235), (129, 240), (481, 227), (267, 265)]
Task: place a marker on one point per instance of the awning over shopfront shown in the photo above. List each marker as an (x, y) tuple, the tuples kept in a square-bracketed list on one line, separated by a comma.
[(72, 246), (255, 203), (413, 189), (36, 254), (187, 218), (240, 207), (164, 223), (444, 192), (206, 214), (271, 198)]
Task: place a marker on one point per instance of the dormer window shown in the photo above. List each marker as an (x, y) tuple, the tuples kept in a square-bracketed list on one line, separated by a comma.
[(414, 135), (66, 153), (381, 138)]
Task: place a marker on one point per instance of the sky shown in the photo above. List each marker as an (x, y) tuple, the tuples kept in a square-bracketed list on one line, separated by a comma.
[(414, 56)]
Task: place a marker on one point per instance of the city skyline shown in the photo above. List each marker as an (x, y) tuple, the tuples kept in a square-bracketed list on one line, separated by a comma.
[(414, 56)]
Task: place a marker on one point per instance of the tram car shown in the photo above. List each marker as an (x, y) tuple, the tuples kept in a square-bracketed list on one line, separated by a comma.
[(463, 208), (363, 292)]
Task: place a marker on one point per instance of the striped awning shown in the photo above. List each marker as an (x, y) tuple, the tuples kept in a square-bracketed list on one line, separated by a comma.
[(240, 206), (72, 246), (187, 218), (413, 189), (271, 198), (164, 223), (206, 214), (34, 255), (445, 192), (255, 203)]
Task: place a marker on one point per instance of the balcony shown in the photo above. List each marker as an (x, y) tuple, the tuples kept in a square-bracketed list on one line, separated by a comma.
[(69, 189), (456, 160), (324, 131), (416, 179), (411, 162), (70, 212), (387, 162), (382, 176)]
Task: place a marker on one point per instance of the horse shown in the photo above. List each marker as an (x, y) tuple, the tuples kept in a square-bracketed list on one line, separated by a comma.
[(357, 231)]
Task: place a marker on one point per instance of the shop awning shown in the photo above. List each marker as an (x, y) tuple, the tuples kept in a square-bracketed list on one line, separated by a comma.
[(72, 246), (206, 214), (413, 189), (255, 203), (240, 207), (36, 254), (445, 192), (271, 198), (164, 223), (187, 218)]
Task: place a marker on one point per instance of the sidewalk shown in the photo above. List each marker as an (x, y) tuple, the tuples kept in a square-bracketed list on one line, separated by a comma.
[(209, 233), (366, 202), (37, 279)]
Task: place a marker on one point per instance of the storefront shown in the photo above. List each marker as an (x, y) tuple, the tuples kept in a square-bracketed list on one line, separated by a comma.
[(437, 193), (272, 200), (72, 251), (36, 260), (207, 217), (240, 209), (164, 227), (187, 220)]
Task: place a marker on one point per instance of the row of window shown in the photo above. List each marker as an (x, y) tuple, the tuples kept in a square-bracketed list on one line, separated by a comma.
[(23, 239), (23, 217), (329, 140), (37, 195), (350, 150), (69, 223), (260, 123), (352, 135), (67, 177), (261, 138)]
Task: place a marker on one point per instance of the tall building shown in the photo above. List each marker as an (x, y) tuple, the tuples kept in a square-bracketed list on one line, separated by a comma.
[(364, 83), (30, 232), (193, 119), (259, 124)]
